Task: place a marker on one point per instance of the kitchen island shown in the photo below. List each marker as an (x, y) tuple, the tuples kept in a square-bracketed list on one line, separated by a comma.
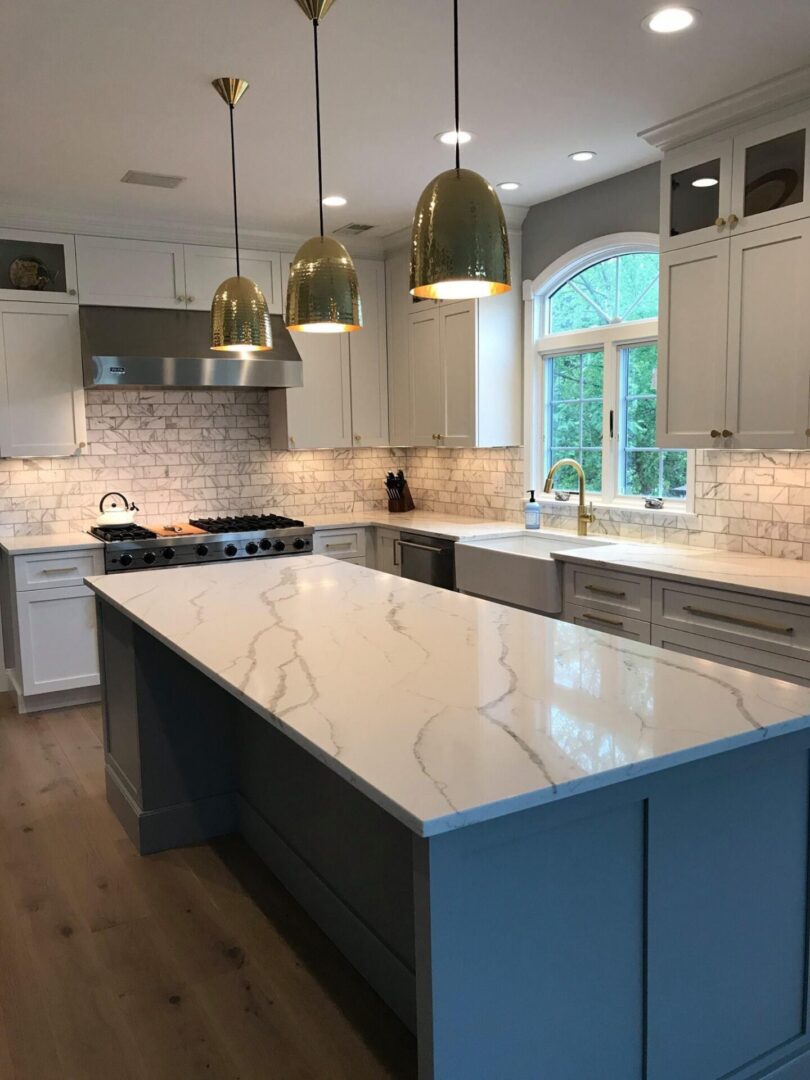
[(556, 854)]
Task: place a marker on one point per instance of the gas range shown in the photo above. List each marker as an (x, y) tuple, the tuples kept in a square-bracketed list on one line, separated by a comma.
[(249, 536)]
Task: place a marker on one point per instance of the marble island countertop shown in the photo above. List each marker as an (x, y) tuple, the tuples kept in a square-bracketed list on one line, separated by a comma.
[(444, 709)]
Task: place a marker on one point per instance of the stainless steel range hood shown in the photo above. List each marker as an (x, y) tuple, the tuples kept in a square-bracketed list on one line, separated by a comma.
[(151, 347)]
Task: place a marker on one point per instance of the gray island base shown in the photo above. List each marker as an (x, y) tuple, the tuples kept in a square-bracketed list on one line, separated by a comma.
[(632, 907)]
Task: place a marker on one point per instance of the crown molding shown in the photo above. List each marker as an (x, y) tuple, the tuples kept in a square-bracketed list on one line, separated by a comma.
[(16, 217), (788, 89)]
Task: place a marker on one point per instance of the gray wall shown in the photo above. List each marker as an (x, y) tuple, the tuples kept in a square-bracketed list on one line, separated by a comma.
[(626, 203)]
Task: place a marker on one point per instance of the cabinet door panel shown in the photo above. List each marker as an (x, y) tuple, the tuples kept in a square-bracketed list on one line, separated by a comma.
[(56, 252), (690, 203), (398, 307), (458, 343), (207, 267), (130, 273), (772, 174), (427, 384), (41, 392), (57, 639), (369, 360), (692, 346), (769, 336), (319, 413), (386, 558)]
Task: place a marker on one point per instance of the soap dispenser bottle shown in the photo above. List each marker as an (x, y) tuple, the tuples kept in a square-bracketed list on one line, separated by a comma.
[(532, 512)]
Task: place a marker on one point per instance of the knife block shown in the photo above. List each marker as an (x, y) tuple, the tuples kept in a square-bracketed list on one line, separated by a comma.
[(403, 504)]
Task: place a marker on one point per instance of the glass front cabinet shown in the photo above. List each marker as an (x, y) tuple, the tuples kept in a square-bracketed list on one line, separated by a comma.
[(38, 266), (722, 186)]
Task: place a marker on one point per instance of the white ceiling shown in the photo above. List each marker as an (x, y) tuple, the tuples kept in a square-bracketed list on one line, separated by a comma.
[(92, 88)]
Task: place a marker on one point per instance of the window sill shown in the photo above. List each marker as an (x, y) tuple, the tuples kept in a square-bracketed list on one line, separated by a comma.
[(618, 511)]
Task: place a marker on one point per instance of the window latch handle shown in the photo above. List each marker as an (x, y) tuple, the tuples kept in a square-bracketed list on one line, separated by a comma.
[(611, 423)]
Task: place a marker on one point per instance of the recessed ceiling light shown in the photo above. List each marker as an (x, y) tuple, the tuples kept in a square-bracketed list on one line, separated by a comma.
[(670, 20), (705, 181), (334, 200), (509, 185), (583, 155), (450, 138)]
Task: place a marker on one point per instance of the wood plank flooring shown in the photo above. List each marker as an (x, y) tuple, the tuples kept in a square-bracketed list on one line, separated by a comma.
[(193, 963)]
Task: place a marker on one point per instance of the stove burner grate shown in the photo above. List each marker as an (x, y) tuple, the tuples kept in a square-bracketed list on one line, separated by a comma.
[(242, 523), (110, 533)]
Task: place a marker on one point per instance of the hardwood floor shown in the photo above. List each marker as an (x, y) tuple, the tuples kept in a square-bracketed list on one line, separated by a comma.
[(193, 963)]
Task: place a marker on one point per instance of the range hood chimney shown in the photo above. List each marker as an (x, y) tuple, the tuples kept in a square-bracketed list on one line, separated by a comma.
[(148, 347)]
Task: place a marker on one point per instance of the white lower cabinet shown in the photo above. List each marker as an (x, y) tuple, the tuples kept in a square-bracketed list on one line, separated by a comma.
[(49, 627), (728, 626), (345, 544), (41, 388), (386, 551)]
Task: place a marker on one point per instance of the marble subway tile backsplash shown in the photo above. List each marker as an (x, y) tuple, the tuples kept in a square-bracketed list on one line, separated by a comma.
[(183, 453)]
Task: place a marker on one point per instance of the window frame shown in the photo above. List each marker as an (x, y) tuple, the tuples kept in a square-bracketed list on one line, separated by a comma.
[(611, 339)]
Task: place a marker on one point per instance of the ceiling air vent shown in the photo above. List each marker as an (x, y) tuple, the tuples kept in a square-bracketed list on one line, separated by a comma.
[(151, 179), (352, 229)]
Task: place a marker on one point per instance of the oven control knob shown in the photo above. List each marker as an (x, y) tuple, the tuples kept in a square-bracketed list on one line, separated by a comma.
[(279, 545), (251, 548), (202, 549), (149, 558), (299, 544), (168, 553), (265, 544), (126, 560), (230, 550)]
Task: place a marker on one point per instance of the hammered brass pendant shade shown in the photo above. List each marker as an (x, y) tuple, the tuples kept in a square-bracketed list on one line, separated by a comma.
[(459, 242), (240, 321), (323, 296)]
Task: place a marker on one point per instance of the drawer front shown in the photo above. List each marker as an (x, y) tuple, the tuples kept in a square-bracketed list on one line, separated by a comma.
[(604, 590), (340, 543), (620, 625), (775, 665), (56, 569), (772, 625)]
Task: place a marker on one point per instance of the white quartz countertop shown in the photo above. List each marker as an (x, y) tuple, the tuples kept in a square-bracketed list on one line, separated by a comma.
[(444, 709), (422, 521), (786, 579), (28, 545)]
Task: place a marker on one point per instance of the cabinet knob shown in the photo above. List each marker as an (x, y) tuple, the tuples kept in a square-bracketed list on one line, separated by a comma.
[(357, 438), (733, 220), (715, 434), (190, 299), (807, 432), (71, 292), (179, 299), (292, 441), (720, 222), (726, 433)]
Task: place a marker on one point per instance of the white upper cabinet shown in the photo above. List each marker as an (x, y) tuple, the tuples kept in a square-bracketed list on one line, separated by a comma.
[(693, 346), (398, 307), (769, 337), (130, 273), (734, 320), (369, 354), (427, 382), (207, 267), (458, 338), (41, 391), (37, 267)]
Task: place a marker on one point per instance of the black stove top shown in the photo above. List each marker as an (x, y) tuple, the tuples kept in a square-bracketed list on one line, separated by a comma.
[(110, 533), (246, 523)]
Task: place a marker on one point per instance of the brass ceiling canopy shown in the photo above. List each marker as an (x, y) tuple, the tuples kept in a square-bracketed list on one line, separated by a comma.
[(315, 9), (240, 321), (322, 292), (459, 242), (323, 296)]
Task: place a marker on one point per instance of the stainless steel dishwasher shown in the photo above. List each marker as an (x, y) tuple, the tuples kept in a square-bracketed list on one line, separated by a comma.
[(426, 558)]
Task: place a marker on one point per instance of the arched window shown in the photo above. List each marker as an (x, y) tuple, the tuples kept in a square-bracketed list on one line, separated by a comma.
[(594, 374)]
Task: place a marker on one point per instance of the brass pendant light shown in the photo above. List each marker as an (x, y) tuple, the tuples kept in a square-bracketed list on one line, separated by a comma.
[(459, 242), (323, 296), (240, 321)]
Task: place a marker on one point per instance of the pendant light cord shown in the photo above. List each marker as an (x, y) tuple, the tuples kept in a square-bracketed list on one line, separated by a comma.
[(318, 123), (235, 210), (455, 63)]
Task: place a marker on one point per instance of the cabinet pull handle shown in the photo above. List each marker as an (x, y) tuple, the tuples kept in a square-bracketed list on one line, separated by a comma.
[(62, 570), (606, 592), (733, 220), (755, 624), (602, 619), (420, 547), (726, 433), (720, 222), (714, 433), (807, 432), (343, 545)]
